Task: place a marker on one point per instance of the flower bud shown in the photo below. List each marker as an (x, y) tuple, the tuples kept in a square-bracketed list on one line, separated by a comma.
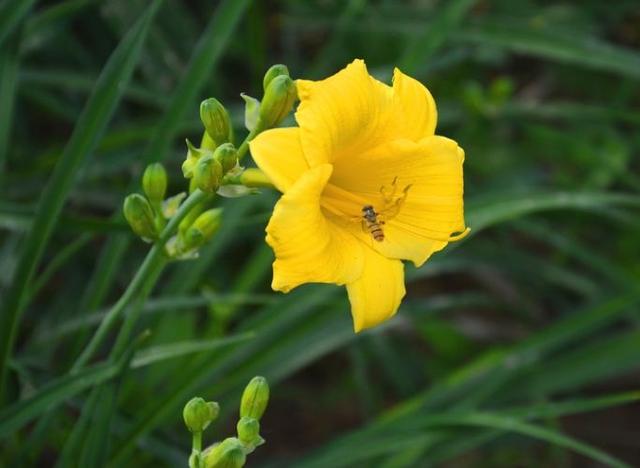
[(198, 414), (227, 155), (202, 229), (139, 215), (154, 182), (254, 398), (216, 120), (255, 178), (249, 431), (278, 101), (275, 70), (208, 174), (227, 454), (206, 142)]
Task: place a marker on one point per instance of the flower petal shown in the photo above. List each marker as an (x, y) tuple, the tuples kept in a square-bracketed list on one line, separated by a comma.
[(344, 113), (415, 110), (309, 248), (431, 173), (376, 295), (279, 154)]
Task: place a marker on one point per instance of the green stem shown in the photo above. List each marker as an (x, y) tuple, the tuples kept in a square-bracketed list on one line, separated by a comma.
[(144, 280), (196, 449), (242, 149), (197, 441)]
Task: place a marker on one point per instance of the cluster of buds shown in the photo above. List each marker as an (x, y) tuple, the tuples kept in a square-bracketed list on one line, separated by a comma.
[(217, 156), (148, 215), (231, 452), (215, 163)]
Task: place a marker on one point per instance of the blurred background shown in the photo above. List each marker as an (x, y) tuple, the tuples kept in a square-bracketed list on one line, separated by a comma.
[(518, 347)]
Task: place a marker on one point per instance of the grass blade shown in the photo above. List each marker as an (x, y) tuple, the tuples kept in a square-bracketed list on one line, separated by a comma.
[(160, 353), (422, 47), (92, 122), (510, 424), (496, 209), (54, 393), (532, 39), (8, 72), (11, 14)]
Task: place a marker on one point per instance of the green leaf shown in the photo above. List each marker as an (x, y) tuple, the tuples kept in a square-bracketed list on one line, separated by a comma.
[(538, 39), (492, 370), (11, 14), (8, 72), (91, 124), (423, 46), (52, 394), (511, 424), (160, 353), (425, 436), (494, 209)]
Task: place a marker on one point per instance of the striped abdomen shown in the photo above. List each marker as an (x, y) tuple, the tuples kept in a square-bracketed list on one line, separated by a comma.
[(376, 230), (371, 221)]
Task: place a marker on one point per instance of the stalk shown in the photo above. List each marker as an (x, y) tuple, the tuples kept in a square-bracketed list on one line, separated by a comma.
[(143, 281)]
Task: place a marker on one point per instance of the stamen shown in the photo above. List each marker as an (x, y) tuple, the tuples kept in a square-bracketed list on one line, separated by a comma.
[(393, 199)]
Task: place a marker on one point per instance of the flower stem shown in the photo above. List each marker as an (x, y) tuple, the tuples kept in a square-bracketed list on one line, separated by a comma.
[(195, 461), (242, 149), (143, 281)]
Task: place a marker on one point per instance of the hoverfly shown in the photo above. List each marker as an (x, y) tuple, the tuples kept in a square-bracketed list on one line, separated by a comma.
[(371, 223), (393, 198)]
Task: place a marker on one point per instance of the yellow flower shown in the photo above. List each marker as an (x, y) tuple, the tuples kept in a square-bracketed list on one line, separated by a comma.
[(361, 144)]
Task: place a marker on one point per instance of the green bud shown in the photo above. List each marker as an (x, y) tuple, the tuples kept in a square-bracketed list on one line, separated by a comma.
[(154, 182), (208, 174), (139, 215), (198, 414), (254, 177), (255, 398), (278, 101), (216, 120), (227, 454), (202, 229), (275, 70), (249, 431), (206, 142), (227, 155)]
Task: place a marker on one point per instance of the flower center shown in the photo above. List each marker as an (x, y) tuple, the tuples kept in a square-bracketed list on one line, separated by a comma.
[(386, 203)]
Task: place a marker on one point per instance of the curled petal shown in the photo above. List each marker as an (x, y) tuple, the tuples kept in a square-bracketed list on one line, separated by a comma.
[(376, 295), (279, 154), (310, 248)]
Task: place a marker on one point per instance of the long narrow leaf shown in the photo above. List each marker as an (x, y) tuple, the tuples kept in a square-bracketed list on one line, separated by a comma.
[(53, 394), (92, 122), (11, 14)]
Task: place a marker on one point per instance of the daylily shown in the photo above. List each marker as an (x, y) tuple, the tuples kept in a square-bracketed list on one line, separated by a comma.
[(359, 143)]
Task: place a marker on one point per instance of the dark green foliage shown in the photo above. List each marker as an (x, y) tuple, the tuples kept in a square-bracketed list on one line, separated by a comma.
[(518, 347)]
